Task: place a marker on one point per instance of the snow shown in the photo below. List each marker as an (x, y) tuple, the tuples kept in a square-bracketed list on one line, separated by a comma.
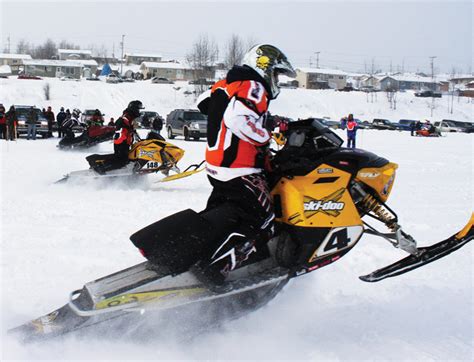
[(54, 238), (14, 56), (53, 63), (75, 51)]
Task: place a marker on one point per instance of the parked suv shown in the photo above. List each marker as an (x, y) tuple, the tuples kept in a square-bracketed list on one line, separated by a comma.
[(189, 123), (428, 93), (146, 119), (89, 115), (405, 124), (447, 125), (382, 124), (22, 113)]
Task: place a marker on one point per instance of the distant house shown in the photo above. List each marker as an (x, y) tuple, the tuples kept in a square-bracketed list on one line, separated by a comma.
[(369, 81), (444, 86), (466, 89), (137, 58), (53, 68), (14, 61), (318, 78), (408, 82), (74, 54), (172, 71), (462, 80), (89, 66)]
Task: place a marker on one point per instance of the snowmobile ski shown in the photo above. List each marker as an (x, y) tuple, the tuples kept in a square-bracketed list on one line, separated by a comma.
[(425, 255), (190, 170), (91, 174)]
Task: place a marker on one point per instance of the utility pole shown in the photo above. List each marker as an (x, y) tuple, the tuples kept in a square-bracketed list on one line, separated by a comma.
[(432, 67), (317, 59), (121, 58), (432, 58), (8, 42)]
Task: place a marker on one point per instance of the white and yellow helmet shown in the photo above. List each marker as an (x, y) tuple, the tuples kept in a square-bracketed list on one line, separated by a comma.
[(269, 62)]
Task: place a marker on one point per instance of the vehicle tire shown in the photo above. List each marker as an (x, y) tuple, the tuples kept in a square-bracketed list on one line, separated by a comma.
[(196, 138), (170, 133), (186, 134)]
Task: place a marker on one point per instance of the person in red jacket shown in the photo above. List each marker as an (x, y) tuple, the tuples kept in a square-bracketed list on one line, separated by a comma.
[(3, 122), (238, 135), (123, 137), (351, 131)]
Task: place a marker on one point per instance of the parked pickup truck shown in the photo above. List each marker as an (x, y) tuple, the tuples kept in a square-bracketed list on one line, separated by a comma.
[(22, 113)]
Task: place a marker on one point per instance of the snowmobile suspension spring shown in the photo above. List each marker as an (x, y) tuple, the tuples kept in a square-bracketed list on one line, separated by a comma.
[(371, 204)]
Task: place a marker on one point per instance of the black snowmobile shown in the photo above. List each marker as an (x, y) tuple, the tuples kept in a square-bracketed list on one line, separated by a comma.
[(321, 193), (93, 135)]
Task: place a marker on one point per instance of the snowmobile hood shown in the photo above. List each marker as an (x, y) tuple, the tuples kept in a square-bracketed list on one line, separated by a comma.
[(240, 73)]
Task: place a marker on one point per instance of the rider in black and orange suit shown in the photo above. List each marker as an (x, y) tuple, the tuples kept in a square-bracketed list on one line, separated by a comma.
[(238, 134), (123, 139)]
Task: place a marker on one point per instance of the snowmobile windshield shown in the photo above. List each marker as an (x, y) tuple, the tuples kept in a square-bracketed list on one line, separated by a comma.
[(194, 116)]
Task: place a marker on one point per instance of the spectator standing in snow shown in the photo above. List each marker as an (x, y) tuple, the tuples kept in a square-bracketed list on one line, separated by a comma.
[(11, 124), (31, 123), (111, 122), (417, 126), (343, 123), (3, 122), (351, 131), (60, 118), (412, 128), (157, 124), (49, 115)]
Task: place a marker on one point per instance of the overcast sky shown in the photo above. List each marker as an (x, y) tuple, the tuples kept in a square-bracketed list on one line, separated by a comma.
[(349, 35)]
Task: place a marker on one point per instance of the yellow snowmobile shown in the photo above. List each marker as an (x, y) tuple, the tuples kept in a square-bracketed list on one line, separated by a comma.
[(150, 155)]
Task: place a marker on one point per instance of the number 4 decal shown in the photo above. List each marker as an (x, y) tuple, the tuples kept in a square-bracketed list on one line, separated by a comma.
[(338, 239)]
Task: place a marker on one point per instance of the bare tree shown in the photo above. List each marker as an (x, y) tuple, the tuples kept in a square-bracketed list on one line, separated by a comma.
[(102, 51), (45, 51), (202, 59), (64, 44), (234, 51), (23, 47)]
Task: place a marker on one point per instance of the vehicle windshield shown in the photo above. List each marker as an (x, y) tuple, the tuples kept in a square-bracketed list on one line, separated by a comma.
[(194, 116), (149, 114), (89, 112), (22, 113)]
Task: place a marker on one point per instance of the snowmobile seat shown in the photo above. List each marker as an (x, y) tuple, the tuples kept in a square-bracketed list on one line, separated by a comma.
[(185, 233)]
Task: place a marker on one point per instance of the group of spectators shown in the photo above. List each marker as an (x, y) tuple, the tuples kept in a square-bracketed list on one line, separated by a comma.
[(8, 123)]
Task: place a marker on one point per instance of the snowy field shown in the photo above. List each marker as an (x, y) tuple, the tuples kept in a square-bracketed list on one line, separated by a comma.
[(54, 238)]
